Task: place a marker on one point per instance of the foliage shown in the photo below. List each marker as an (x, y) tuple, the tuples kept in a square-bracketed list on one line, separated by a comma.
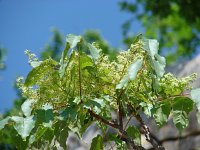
[(179, 21), (94, 36), (2, 55), (85, 86), (54, 47)]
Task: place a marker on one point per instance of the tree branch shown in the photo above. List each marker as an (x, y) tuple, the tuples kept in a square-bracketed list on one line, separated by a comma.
[(120, 109), (122, 133), (99, 118), (149, 136)]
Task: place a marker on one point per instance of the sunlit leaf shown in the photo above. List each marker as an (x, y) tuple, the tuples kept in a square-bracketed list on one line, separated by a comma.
[(151, 46), (35, 63), (4, 122), (132, 73), (134, 68), (93, 51), (23, 125), (85, 61), (123, 83), (26, 107), (73, 40), (62, 63), (159, 65)]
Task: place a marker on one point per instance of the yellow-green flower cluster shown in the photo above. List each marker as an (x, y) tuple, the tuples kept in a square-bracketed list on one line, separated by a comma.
[(171, 85)]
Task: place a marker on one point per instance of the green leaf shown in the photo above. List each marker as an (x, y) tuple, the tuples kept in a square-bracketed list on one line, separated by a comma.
[(195, 94), (38, 73), (161, 113), (159, 65), (85, 61), (96, 105), (85, 121), (49, 135), (132, 73), (45, 117), (61, 133), (147, 107), (37, 135), (134, 68), (73, 40), (26, 107), (134, 133), (93, 51), (70, 113), (180, 119), (64, 65), (151, 46), (64, 53), (23, 126), (123, 83), (35, 63), (181, 107), (182, 103), (4, 122), (63, 56), (157, 62), (97, 143)]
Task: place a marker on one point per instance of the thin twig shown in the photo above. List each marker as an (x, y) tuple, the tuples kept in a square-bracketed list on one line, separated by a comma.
[(126, 125), (122, 133), (120, 110), (149, 136)]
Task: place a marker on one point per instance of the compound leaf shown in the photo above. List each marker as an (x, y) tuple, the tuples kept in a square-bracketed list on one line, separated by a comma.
[(181, 107)]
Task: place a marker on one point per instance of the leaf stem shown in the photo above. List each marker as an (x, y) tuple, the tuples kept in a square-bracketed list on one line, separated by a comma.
[(79, 75)]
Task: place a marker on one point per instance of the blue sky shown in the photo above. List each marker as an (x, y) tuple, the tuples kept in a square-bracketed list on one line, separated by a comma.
[(27, 24)]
